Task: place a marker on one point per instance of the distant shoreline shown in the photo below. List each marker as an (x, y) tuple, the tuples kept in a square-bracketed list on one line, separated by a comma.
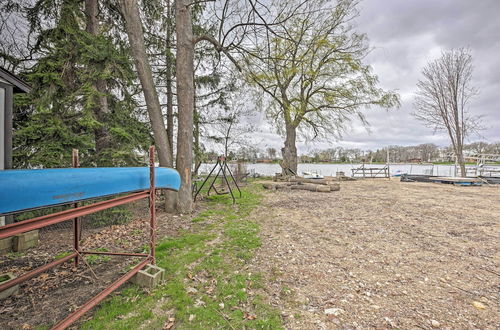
[(360, 163)]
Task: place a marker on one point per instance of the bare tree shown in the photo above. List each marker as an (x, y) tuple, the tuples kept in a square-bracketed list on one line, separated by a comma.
[(427, 151), (271, 152), (228, 126), (135, 33), (443, 96)]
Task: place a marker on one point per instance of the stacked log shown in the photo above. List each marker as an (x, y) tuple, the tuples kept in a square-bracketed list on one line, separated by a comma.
[(316, 185), (270, 186), (312, 187), (304, 180)]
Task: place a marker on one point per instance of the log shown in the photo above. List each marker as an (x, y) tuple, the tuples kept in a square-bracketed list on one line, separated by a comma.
[(270, 186), (312, 187), (304, 180), (334, 186)]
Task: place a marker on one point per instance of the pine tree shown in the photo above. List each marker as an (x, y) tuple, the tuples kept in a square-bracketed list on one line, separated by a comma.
[(60, 112)]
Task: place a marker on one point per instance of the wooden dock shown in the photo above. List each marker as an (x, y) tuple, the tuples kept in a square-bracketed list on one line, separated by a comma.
[(457, 180), (370, 172)]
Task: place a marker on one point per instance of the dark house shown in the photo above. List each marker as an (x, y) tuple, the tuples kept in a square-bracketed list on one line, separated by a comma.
[(9, 85)]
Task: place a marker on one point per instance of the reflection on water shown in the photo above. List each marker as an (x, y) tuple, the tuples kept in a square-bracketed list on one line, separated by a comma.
[(332, 169)]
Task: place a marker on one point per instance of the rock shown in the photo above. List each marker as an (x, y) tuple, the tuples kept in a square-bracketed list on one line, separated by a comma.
[(435, 324), (334, 311)]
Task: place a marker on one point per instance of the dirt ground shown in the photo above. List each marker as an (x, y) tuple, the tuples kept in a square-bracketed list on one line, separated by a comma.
[(383, 254)]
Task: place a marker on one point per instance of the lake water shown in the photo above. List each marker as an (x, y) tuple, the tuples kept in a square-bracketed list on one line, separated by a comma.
[(332, 169)]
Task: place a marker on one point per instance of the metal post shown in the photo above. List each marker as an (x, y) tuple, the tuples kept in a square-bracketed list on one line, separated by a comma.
[(152, 209), (215, 178), (204, 181), (234, 180), (77, 225), (388, 168)]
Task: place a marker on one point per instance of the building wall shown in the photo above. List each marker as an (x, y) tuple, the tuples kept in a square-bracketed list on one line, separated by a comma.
[(2, 128), (2, 137)]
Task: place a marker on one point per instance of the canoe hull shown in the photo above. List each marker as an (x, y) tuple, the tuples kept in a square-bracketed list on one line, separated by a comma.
[(31, 189)]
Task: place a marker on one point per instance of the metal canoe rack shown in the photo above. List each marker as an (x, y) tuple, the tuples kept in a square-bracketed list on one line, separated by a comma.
[(74, 213), (223, 168)]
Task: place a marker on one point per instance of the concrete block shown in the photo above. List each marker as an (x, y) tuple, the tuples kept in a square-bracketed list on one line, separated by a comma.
[(6, 277), (22, 242), (149, 277), (5, 245)]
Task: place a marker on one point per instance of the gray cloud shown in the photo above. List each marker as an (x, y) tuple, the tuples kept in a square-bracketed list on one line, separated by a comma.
[(405, 35)]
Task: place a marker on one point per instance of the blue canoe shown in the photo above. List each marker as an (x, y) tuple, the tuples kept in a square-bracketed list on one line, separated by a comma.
[(30, 189)]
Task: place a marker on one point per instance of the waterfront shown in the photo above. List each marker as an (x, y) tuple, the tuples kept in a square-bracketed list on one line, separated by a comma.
[(266, 169)]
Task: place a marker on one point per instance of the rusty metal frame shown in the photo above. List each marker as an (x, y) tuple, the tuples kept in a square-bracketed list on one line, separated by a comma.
[(36, 272), (50, 219), (99, 297), (75, 213)]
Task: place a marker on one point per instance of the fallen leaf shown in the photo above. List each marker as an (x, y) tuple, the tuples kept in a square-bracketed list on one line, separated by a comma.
[(249, 316), (170, 323), (43, 277), (478, 305)]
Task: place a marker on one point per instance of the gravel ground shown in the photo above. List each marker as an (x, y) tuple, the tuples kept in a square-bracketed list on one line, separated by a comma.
[(383, 254)]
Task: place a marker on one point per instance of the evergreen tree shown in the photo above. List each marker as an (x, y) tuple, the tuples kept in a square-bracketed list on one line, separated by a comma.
[(60, 112)]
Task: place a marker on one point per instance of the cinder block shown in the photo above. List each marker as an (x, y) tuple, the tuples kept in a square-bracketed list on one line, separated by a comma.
[(25, 241), (149, 277), (6, 277), (5, 245)]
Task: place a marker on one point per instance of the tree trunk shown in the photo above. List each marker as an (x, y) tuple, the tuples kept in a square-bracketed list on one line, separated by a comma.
[(196, 132), (197, 147), (170, 196), (170, 94), (289, 151), (101, 134), (185, 101), (135, 34), (460, 160)]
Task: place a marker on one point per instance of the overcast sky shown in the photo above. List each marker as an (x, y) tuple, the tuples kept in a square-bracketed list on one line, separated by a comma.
[(405, 35)]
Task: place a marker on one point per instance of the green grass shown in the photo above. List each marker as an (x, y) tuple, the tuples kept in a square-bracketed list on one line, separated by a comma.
[(204, 277), (62, 255), (94, 259)]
